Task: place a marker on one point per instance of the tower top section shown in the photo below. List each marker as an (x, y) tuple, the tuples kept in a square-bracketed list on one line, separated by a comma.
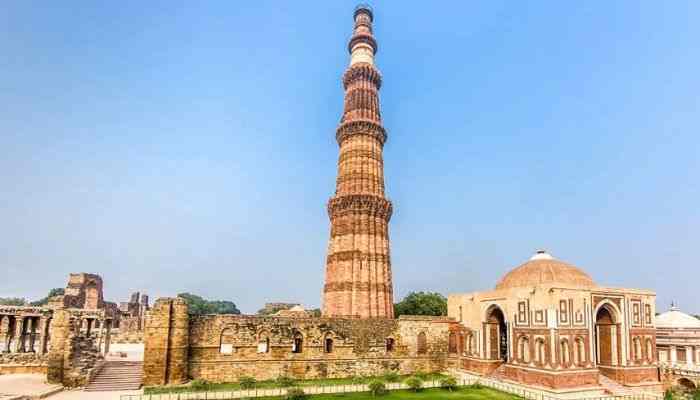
[(362, 45), (364, 8)]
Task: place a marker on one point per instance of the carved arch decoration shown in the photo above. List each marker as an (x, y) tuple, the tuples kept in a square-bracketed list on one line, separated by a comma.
[(421, 344)]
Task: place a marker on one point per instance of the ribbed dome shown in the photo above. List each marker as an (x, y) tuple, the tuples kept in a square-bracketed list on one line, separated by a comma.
[(542, 268), (674, 318)]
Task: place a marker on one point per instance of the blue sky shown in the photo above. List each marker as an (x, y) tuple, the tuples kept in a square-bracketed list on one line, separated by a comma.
[(189, 146)]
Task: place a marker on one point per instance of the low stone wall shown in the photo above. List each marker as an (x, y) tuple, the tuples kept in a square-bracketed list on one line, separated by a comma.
[(23, 363), (632, 375), (223, 348), (580, 378), (479, 366)]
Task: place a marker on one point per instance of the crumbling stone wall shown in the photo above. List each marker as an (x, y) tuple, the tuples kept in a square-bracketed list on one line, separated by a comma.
[(223, 348), (166, 343), (72, 355)]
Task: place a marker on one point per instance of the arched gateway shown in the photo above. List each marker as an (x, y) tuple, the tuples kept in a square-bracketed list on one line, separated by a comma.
[(496, 334), (547, 323)]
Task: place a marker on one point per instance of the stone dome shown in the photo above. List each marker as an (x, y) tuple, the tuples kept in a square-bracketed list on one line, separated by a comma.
[(541, 269), (675, 319)]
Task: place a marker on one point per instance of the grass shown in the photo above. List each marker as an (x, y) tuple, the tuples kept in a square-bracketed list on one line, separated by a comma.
[(271, 384), (465, 393)]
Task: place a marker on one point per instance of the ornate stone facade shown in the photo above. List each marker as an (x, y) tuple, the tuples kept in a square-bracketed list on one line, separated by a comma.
[(548, 324), (358, 264), (678, 339)]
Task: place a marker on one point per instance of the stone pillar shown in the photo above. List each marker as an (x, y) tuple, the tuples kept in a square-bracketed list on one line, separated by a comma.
[(166, 343), (9, 332), (4, 322), (20, 323), (672, 352), (107, 334), (32, 334), (614, 350), (44, 334), (689, 355), (60, 346)]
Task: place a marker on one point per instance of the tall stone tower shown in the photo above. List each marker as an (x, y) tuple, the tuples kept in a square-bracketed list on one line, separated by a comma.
[(358, 265)]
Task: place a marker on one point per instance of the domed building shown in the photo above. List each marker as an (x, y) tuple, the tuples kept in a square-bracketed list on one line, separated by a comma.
[(678, 338), (548, 324)]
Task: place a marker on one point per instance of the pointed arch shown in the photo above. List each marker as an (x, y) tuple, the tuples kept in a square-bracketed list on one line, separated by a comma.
[(421, 343)]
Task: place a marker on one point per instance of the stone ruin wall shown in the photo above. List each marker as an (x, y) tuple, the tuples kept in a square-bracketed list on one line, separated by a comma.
[(223, 348), (73, 356)]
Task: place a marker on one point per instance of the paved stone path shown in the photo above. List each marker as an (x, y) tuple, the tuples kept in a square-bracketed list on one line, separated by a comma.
[(24, 385), (82, 395)]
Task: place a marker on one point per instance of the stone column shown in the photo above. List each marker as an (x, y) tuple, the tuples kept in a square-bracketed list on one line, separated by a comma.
[(108, 334), (8, 334), (43, 334), (613, 350), (672, 353), (3, 333), (689, 355), (19, 334), (33, 333)]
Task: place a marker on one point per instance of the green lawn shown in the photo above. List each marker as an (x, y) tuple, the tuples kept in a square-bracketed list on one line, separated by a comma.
[(466, 393), (229, 387)]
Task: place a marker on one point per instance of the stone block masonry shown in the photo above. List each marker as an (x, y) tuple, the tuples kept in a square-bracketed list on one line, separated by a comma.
[(358, 263), (224, 348)]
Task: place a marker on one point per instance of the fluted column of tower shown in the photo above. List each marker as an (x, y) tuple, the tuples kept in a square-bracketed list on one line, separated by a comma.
[(358, 265)]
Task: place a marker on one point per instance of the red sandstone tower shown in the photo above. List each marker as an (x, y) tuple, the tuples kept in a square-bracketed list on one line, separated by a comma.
[(358, 265)]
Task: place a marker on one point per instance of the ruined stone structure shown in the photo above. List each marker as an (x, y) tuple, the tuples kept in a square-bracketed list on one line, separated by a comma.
[(74, 353), (678, 339), (33, 339), (132, 319), (548, 324), (358, 264), (224, 348)]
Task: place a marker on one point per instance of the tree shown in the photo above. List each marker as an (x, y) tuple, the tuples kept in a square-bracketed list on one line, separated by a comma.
[(200, 306), (421, 303), (12, 301), (316, 312), (53, 292), (274, 308)]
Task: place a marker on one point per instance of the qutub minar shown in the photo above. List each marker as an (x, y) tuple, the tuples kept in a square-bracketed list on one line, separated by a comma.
[(547, 327), (358, 265)]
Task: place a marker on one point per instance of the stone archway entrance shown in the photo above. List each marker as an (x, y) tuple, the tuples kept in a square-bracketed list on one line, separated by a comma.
[(496, 334), (607, 336), (686, 384)]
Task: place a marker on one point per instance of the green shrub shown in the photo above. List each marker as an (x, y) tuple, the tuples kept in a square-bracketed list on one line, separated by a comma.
[(391, 377), (377, 388), (284, 381), (247, 382), (200, 385), (476, 386), (696, 394), (424, 376), (449, 383), (668, 395), (358, 379), (414, 383), (295, 393)]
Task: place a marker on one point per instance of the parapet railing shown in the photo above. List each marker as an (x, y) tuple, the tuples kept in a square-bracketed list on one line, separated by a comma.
[(350, 388), (681, 369)]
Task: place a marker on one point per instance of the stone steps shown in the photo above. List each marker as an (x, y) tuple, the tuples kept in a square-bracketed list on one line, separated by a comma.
[(116, 376), (615, 388)]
